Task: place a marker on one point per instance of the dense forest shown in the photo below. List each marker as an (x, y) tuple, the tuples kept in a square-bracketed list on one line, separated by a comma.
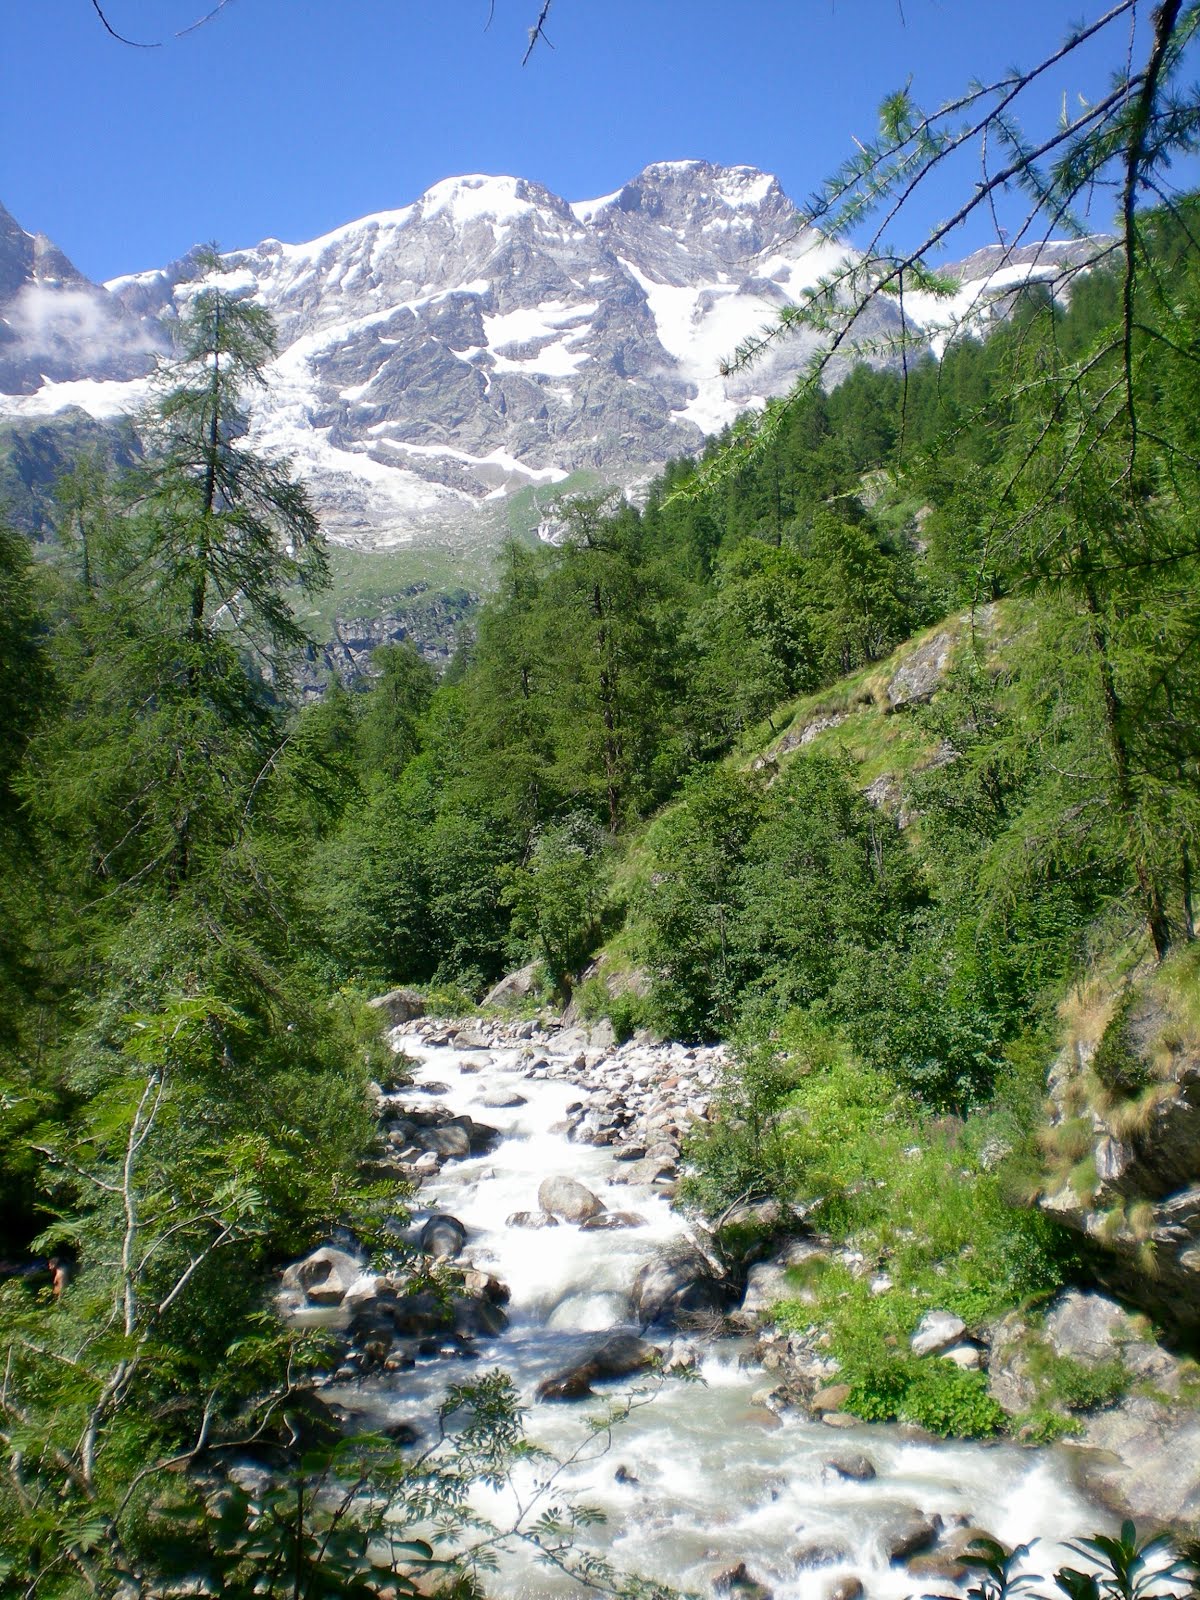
[(203, 882)]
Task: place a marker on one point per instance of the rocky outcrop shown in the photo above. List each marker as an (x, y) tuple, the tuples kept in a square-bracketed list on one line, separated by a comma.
[(677, 1287), (1140, 1451), (513, 988), (920, 674), (1128, 1086)]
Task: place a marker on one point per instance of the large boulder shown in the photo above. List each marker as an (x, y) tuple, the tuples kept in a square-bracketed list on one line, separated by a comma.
[(621, 1355), (325, 1275), (569, 1199), (513, 988), (443, 1238), (678, 1284), (937, 1331), (398, 1005), (1142, 1458)]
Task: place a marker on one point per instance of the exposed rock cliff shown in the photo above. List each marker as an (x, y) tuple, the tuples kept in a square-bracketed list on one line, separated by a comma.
[(1124, 1139)]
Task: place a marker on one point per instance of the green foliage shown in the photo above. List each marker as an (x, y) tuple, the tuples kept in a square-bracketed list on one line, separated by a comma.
[(1074, 1385), (557, 895), (688, 908), (1118, 1064), (934, 1394), (626, 1010)]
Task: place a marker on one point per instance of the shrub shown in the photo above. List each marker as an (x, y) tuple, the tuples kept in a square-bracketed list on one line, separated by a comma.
[(1118, 1064)]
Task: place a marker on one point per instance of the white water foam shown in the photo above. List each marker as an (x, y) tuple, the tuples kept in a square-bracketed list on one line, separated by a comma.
[(710, 1478)]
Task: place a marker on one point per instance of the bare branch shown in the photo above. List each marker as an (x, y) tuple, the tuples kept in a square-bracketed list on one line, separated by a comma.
[(201, 21), (135, 44), (538, 31)]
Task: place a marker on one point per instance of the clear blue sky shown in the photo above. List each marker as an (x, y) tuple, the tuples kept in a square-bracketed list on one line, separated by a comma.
[(288, 117)]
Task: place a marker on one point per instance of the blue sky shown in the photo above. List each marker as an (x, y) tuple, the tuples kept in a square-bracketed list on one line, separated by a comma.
[(288, 117)]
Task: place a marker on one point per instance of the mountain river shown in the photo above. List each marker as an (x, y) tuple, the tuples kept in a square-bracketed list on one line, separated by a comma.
[(704, 1476)]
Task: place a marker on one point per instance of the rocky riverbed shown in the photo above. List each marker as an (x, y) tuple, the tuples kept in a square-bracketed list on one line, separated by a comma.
[(546, 1160)]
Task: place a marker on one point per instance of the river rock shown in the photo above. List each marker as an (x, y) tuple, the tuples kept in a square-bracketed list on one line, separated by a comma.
[(649, 1171), (398, 1005), (569, 1199), (483, 1283), (502, 1099), (531, 1219), (831, 1398), (677, 1283), (937, 1331), (573, 1384), (416, 1316), (365, 1288), (477, 1316), (847, 1588), (624, 1353), (470, 1039), (611, 1220), (905, 1536), (858, 1468), (449, 1141), (819, 1553), (324, 1275), (959, 1541), (936, 1564), (481, 1136), (620, 1355), (443, 1238), (737, 1581), (680, 1356)]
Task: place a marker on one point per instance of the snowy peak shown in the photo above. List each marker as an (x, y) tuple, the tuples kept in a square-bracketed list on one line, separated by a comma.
[(489, 337), (485, 338), (727, 213), (55, 325), (477, 198)]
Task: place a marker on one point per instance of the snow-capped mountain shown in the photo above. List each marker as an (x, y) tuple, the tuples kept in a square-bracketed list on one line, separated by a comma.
[(492, 336), (488, 337), (56, 326)]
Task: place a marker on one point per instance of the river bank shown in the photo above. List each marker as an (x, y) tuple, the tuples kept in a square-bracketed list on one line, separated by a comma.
[(547, 1163)]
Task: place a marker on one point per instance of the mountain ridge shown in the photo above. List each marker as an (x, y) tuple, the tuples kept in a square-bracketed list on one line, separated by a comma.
[(487, 338)]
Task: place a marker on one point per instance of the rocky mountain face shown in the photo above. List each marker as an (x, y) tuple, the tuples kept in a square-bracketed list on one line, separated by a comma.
[(1124, 1144), (56, 327), (492, 336), (445, 370)]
